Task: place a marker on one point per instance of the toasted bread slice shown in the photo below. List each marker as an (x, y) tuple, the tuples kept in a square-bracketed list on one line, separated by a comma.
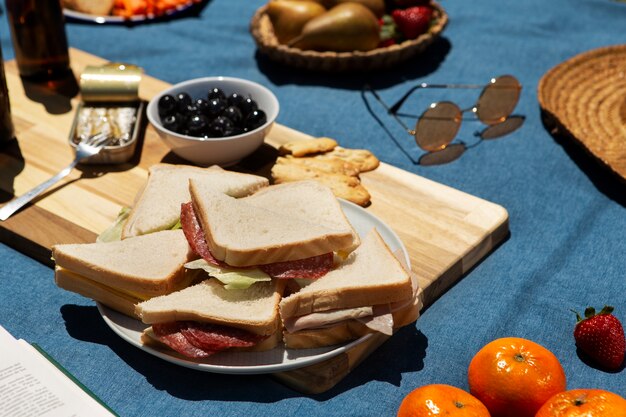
[(283, 223), (158, 205)]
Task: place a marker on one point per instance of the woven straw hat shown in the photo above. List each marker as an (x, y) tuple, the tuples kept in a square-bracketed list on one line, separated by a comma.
[(379, 58), (586, 98)]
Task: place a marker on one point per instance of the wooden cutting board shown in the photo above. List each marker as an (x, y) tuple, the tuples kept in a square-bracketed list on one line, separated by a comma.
[(445, 231)]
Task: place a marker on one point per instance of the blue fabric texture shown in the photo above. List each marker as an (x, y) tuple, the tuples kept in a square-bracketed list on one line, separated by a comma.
[(566, 249)]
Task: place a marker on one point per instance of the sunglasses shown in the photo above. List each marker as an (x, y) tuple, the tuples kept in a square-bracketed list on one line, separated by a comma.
[(439, 124)]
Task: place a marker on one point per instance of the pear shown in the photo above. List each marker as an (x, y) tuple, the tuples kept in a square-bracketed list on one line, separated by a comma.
[(376, 6), (346, 27), (289, 16)]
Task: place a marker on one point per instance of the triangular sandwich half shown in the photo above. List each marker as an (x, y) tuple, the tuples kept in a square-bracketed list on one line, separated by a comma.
[(370, 291), (157, 206), (121, 273), (206, 318), (298, 224)]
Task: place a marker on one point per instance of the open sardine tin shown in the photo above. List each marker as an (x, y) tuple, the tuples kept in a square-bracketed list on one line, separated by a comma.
[(110, 103)]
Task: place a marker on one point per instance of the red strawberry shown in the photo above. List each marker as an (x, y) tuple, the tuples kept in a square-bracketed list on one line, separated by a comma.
[(413, 21), (601, 337), (388, 32)]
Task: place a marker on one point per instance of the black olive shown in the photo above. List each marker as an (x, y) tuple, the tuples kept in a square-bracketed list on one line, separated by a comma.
[(216, 93), (247, 106), (197, 125), (255, 119), (174, 122), (235, 99), (219, 126), (202, 105), (234, 114), (183, 100), (166, 105), (215, 107)]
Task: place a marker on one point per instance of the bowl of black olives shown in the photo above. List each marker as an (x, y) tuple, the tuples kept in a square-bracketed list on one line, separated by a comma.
[(213, 120)]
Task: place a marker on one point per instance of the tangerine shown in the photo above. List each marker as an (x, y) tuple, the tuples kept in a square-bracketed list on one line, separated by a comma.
[(440, 400), (584, 403), (513, 377)]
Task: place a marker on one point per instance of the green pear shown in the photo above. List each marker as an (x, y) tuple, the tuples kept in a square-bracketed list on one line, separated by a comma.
[(376, 6), (346, 27), (289, 16)]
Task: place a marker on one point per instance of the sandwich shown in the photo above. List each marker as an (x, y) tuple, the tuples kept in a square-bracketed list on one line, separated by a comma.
[(206, 318), (120, 274), (370, 291), (157, 206), (291, 230)]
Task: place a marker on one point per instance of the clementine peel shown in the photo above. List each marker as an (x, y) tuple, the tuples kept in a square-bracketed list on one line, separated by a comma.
[(441, 400), (513, 377), (584, 403)]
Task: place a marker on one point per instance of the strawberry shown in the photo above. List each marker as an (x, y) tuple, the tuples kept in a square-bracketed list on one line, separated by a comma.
[(413, 21), (388, 32), (601, 337)]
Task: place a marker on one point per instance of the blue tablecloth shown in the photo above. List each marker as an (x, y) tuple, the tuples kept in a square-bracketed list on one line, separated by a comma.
[(567, 219)]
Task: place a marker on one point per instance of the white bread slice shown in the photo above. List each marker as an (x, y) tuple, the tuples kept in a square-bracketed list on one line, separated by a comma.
[(123, 302), (369, 276), (149, 265), (244, 232), (254, 309), (295, 200), (157, 207)]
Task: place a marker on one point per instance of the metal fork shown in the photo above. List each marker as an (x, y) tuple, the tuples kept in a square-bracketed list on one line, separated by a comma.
[(86, 148)]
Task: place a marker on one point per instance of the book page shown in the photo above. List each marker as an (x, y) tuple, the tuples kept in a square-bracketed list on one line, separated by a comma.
[(31, 386)]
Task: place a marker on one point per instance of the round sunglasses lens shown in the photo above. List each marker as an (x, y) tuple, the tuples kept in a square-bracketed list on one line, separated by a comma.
[(438, 126), (510, 125), (448, 154), (498, 99)]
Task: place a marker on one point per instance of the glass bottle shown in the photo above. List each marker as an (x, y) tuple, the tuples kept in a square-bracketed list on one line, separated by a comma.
[(39, 39), (6, 121)]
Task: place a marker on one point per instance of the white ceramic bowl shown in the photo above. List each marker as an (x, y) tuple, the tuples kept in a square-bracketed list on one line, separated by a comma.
[(216, 151)]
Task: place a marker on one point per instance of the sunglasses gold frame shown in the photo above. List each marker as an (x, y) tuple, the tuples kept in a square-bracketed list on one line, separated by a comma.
[(433, 129)]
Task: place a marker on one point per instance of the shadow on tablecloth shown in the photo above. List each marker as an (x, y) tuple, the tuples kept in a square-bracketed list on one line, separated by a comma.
[(85, 324)]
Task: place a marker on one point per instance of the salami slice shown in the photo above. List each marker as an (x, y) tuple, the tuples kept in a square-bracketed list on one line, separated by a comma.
[(312, 268), (170, 335), (199, 340), (207, 336), (194, 234)]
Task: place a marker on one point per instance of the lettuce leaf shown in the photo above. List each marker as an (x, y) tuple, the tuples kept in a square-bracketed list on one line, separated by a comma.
[(114, 232), (233, 279)]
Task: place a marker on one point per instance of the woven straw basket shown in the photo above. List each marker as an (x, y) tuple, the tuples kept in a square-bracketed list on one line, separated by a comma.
[(376, 59), (585, 97)]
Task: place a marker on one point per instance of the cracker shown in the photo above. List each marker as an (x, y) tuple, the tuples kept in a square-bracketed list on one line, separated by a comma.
[(362, 158), (343, 186), (307, 147), (329, 165)]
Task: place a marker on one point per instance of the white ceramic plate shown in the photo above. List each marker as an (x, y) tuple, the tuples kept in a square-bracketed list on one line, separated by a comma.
[(276, 360), (85, 17)]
